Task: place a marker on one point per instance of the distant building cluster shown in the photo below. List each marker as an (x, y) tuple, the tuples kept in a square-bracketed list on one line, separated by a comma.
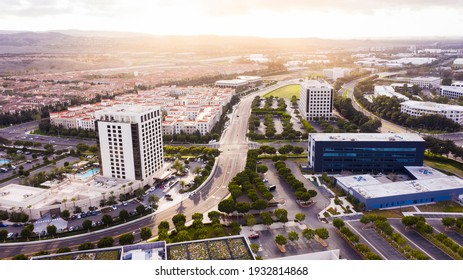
[(187, 109), (420, 108)]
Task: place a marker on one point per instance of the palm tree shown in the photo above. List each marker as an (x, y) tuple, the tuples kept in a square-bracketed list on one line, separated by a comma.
[(182, 183), (153, 200), (64, 201), (74, 202), (30, 210)]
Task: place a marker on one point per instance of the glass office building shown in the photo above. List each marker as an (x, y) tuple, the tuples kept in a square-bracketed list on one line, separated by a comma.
[(333, 152)]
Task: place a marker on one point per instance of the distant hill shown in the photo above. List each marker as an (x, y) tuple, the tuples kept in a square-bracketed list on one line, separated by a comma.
[(76, 41)]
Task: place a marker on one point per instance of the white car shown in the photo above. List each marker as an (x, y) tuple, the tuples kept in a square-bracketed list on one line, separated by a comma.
[(265, 180), (10, 234), (114, 207)]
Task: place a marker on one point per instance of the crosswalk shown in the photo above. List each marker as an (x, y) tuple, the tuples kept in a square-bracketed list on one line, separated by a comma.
[(47, 221)]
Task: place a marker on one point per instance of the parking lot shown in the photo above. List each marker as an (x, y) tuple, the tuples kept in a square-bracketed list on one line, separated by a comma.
[(418, 241), (437, 225), (376, 241)]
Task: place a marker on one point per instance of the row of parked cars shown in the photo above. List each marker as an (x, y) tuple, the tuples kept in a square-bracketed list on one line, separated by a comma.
[(84, 215)]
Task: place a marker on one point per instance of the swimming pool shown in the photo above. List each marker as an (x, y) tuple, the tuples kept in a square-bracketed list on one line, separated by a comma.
[(89, 173), (4, 161)]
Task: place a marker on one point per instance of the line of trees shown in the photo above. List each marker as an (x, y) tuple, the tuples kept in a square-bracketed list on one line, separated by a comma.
[(301, 193), (345, 108)]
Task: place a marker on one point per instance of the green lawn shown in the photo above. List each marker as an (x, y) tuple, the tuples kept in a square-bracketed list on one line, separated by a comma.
[(391, 213), (345, 94), (443, 206), (445, 165), (285, 92)]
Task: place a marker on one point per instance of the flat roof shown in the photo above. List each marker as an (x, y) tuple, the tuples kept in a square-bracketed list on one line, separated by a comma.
[(424, 172), (127, 109), (426, 79), (315, 84), (410, 187), (232, 82), (453, 88), (366, 137), (431, 105), (358, 180), (19, 194)]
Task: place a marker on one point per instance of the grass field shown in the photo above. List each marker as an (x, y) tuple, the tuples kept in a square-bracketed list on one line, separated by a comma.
[(445, 165), (285, 92), (443, 206), (391, 213), (345, 93)]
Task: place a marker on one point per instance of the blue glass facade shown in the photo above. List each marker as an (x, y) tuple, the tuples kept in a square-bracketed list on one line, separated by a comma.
[(335, 156)]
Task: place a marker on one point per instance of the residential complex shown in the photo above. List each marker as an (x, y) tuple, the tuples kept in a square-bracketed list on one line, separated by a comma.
[(426, 82), (453, 91), (420, 108), (388, 91), (364, 151), (336, 73), (130, 140), (316, 100), (426, 186), (189, 109)]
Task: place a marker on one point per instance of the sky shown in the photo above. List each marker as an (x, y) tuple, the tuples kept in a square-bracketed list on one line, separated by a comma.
[(334, 19)]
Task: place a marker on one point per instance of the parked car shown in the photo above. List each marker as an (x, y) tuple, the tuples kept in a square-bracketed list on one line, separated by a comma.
[(124, 203), (3, 225), (114, 207), (253, 236), (10, 235), (265, 180)]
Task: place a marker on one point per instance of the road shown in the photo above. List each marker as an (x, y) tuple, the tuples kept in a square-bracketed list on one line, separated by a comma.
[(21, 132), (386, 126), (234, 147)]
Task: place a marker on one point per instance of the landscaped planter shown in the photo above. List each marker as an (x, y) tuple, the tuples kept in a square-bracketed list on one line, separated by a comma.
[(198, 251), (219, 250), (178, 252)]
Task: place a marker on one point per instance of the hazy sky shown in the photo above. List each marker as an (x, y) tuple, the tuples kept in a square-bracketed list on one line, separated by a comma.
[(265, 18)]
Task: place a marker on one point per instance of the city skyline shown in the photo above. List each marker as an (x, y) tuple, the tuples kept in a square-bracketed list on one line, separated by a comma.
[(273, 19)]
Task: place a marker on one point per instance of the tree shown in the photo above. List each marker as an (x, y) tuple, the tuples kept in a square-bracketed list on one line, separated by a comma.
[(249, 219), (51, 230), (322, 233), (449, 222), (243, 207), (259, 204), (262, 168), (126, 239), (86, 246), (280, 240), (145, 233), (107, 219), (140, 209), (214, 216), (281, 214), (178, 166), (163, 225), (298, 150), (197, 217), (182, 236), (105, 242), (227, 206), (65, 214), (409, 221), (266, 218), (20, 257), (255, 248), (293, 236), (338, 223), (364, 220), (124, 214), (299, 217), (26, 232), (87, 224), (3, 234), (153, 201), (179, 221), (41, 253), (63, 250), (308, 234)]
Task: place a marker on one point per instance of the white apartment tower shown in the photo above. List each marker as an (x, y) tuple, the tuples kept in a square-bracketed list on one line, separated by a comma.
[(130, 141), (316, 100)]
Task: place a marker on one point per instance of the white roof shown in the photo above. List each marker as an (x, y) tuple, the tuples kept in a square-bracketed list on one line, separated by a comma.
[(250, 78), (452, 88), (458, 61), (424, 172), (365, 137), (232, 82), (316, 84), (425, 79), (126, 110), (431, 106), (410, 187), (358, 180)]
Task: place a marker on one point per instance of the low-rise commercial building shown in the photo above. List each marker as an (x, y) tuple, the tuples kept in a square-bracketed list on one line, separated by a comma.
[(428, 186), (364, 151), (420, 108), (426, 82), (458, 63), (336, 73), (388, 91), (453, 91), (240, 83)]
